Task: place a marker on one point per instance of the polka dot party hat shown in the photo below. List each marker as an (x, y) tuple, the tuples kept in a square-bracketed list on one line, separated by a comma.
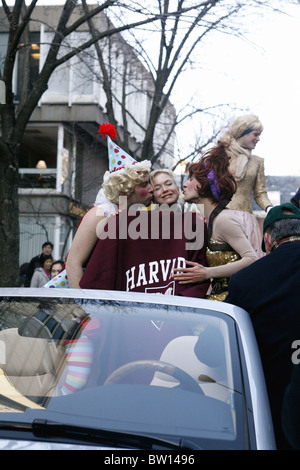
[(118, 159)]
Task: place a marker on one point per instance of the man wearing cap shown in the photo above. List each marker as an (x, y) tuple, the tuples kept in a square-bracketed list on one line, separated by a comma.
[(269, 291)]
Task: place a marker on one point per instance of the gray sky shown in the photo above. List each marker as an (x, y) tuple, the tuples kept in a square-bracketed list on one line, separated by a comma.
[(263, 77)]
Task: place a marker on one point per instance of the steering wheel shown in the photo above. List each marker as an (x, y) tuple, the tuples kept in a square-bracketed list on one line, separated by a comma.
[(187, 382)]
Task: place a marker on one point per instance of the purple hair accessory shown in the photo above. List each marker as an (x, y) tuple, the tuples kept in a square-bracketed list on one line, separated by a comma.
[(213, 183)]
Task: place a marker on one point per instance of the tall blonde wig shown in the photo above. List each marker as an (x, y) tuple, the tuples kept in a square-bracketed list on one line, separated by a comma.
[(241, 126)]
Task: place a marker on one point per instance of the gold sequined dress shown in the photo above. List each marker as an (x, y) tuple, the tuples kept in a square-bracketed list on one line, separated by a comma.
[(218, 254)]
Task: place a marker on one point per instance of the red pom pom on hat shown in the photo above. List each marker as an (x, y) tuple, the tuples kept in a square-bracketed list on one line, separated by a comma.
[(107, 129)]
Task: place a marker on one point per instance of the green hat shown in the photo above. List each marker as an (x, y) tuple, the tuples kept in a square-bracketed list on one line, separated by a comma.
[(278, 213)]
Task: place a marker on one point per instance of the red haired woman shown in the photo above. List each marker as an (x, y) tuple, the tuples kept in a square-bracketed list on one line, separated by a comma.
[(212, 185)]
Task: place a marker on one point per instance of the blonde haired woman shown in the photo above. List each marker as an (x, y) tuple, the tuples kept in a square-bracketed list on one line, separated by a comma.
[(247, 169), (165, 186), (249, 173)]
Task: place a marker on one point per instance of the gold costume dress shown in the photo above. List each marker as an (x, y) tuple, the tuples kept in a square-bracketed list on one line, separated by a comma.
[(218, 254), (249, 173)]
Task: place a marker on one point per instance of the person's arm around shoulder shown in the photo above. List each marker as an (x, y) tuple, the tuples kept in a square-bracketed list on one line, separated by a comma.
[(83, 244)]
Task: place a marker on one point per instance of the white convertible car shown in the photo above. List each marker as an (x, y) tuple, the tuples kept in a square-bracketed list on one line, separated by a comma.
[(119, 370)]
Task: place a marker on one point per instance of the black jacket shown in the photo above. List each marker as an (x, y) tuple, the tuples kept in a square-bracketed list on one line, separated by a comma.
[(269, 290), (34, 263)]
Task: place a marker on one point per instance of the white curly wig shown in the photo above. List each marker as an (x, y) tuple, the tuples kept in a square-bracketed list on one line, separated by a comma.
[(123, 181)]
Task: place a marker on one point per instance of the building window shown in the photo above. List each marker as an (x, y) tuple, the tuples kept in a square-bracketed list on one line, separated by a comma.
[(28, 63), (38, 157), (36, 229), (3, 48)]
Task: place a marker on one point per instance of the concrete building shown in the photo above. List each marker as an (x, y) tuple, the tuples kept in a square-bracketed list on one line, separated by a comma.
[(63, 158)]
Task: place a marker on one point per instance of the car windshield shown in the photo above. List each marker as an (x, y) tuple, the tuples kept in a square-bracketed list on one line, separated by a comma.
[(152, 369)]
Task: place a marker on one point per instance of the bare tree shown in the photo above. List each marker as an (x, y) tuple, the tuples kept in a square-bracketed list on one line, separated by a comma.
[(15, 116), (174, 48)]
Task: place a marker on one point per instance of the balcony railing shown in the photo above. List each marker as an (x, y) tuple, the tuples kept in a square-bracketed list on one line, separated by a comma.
[(37, 178)]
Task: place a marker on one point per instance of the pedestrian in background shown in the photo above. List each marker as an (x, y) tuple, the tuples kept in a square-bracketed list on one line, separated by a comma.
[(37, 261), (42, 275), (23, 273), (56, 268)]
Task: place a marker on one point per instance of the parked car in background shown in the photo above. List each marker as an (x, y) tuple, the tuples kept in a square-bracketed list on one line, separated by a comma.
[(120, 370)]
